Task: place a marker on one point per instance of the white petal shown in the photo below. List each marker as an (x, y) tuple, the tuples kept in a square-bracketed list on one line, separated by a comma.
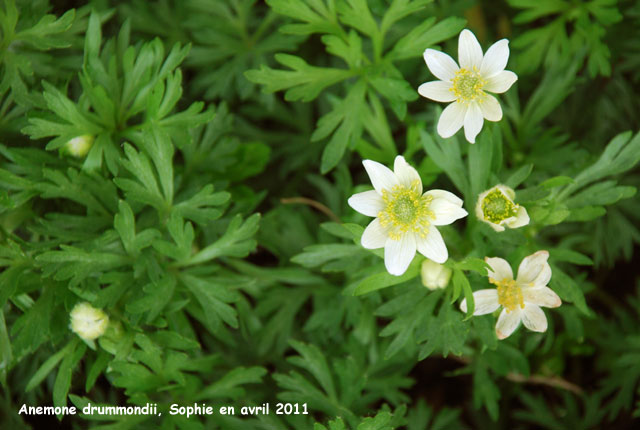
[(445, 211), (533, 318), (534, 269), (486, 301), (406, 174), (507, 191), (507, 323), (452, 119), (368, 203), (472, 122), (399, 253), (433, 246), (496, 227), (500, 82), (469, 50), (440, 64), (541, 296), (500, 268), (439, 91), (490, 108), (442, 194), (521, 218), (381, 176), (374, 236), (479, 211), (495, 59)]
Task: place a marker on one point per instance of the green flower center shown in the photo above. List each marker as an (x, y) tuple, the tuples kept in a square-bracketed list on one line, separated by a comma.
[(467, 85), (497, 207), (509, 294), (406, 210)]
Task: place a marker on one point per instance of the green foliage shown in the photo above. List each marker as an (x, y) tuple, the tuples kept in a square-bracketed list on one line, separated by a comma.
[(343, 26)]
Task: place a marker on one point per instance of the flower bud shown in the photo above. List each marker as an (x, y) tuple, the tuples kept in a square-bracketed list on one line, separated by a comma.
[(434, 275), (88, 322), (79, 146), (497, 208)]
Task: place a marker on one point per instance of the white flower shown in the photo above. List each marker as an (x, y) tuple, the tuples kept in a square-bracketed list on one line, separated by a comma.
[(521, 299), (88, 322), (466, 85), (79, 146), (434, 275), (496, 207), (406, 219)]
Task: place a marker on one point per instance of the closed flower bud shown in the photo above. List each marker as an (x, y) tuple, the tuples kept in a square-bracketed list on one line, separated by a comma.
[(434, 275), (79, 146), (88, 322), (497, 208)]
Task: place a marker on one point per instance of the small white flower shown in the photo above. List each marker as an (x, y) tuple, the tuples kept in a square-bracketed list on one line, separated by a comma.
[(79, 146), (406, 219), (521, 298), (466, 85), (434, 275), (496, 207), (88, 322)]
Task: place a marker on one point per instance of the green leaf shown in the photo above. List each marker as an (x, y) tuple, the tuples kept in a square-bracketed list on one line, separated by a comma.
[(446, 333), (316, 255), (312, 359), (157, 294), (519, 176), (479, 163), (318, 17), (447, 156), (50, 364), (213, 297), (124, 223), (470, 263), (568, 289), (6, 354), (400, 9), (230, 385), (564, 254), (304, 82), (485, 391), (397, 91), (235, 242), (384, 279), (556, 181), (346, 117), (199, 207), (63, 379), (460, 282), (425, 35)]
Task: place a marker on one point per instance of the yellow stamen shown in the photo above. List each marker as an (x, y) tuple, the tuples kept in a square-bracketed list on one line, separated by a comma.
[(467, 85), (509, 294), (406, 210), (496, 207)]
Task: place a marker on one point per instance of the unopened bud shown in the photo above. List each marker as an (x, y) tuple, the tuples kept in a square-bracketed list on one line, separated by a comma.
[(79, 146), (88, 322), (434, 275)]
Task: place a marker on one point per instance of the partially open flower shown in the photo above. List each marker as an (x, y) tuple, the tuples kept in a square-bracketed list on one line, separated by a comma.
[(79, 146), (434, 275), (520, 298), (497, 208), (406, 219), (467, 86), (88, 322)]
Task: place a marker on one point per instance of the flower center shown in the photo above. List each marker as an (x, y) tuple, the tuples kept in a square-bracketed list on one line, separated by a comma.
[(406, 210), (509, 294), (496, 207), (467, 85)]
